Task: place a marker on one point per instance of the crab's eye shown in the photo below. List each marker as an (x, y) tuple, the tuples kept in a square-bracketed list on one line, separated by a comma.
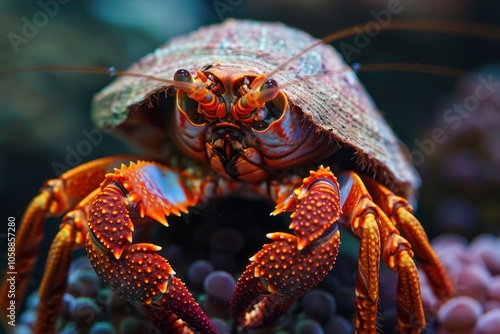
[(268, 90), (183, 75)]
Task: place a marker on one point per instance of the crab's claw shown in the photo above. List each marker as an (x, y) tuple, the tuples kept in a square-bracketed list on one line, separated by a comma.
[(136, 272), (291, 265)]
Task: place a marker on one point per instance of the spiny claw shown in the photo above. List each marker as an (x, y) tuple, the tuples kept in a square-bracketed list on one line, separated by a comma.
[(291, 265), (278, 276), (315, 205), (135, 271), (139, 275), (147, 280)]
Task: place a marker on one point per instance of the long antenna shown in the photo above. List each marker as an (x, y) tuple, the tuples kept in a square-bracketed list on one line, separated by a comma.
[(427, 25)]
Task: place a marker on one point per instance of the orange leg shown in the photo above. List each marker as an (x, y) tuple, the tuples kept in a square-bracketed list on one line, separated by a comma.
[(399, 211), (135, 271), (379, 238), (56, 197), (71, 236)]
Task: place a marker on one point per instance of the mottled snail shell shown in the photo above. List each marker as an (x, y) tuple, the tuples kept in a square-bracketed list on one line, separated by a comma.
[(337, 103)]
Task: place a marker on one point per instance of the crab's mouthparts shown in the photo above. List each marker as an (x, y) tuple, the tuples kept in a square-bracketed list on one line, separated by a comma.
[(228, 140), (227, 147)]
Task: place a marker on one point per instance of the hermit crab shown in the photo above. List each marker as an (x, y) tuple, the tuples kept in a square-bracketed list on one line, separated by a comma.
[(226, 110)]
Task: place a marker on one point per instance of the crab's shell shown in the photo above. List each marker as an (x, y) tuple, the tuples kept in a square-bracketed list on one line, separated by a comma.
[(336, 103)]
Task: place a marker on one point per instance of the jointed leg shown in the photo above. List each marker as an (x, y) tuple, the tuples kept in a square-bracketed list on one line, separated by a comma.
[(360, 215), (376, 232), (399, 211), (398, 256), (71, 236)]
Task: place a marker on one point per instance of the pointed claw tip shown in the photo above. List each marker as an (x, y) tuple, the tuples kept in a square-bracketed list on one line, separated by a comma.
[(302, 194), (163, 221), (155, 248), (302, 243), (162, 287), (117, 253)]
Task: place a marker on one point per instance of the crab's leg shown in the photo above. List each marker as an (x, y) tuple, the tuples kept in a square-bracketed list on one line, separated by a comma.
[(135, 271), (71, 235), (291, 265), (399, 211), (376, 233), (56, 197)]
